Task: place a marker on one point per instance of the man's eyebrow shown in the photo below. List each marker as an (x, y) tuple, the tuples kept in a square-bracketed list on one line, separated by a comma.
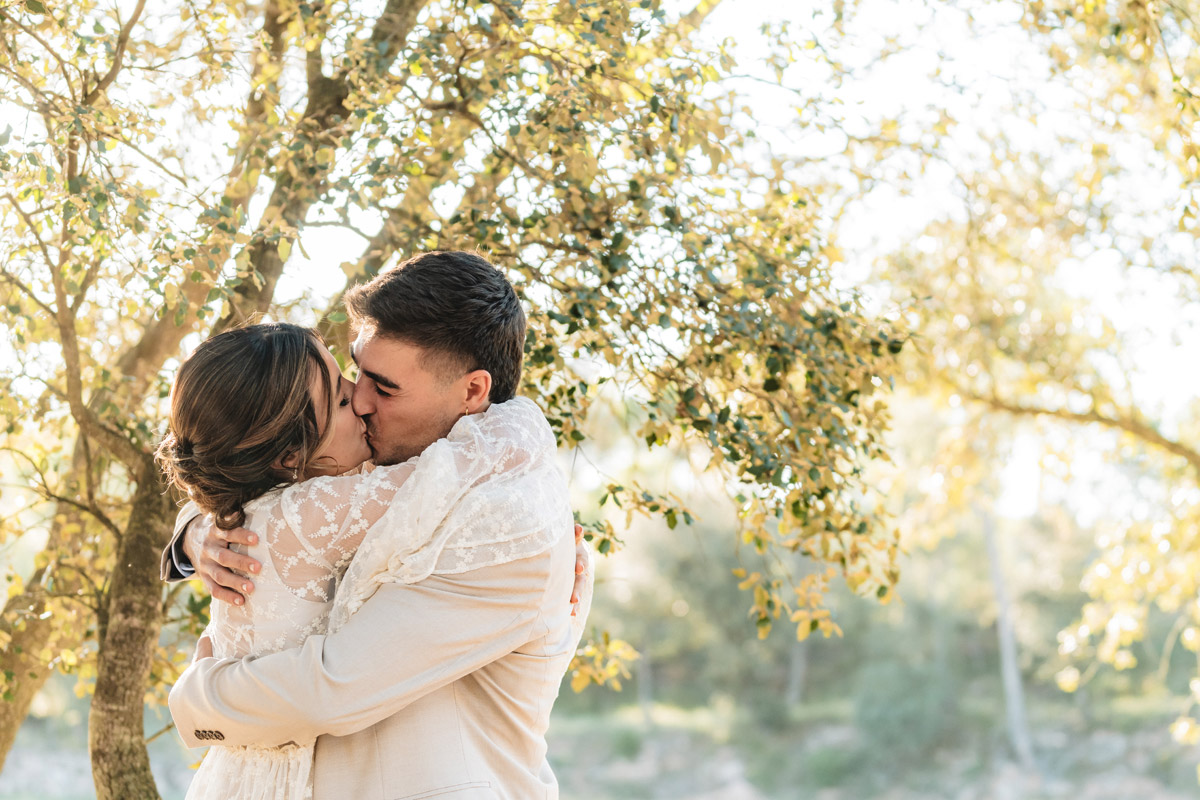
[(375, 376)]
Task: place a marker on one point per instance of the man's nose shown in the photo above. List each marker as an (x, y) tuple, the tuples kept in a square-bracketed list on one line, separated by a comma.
[(360, 401)]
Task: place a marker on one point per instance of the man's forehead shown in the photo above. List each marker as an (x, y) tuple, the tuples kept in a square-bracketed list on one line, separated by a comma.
[(385, 355), (368, 343)]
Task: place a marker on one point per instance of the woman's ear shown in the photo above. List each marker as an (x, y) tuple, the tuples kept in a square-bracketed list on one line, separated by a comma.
[(287, 465), (477, 386)]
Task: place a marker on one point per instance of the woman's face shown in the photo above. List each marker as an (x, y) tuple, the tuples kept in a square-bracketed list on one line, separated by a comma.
[(348, 447)]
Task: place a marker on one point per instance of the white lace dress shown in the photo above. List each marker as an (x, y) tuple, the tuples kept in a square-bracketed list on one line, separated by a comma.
[(460, 505)]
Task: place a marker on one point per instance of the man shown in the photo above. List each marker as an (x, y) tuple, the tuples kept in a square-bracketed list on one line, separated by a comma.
[(438, 688)]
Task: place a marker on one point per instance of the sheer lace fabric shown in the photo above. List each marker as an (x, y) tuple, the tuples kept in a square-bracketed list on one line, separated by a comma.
[(488, 494), (472, 499)]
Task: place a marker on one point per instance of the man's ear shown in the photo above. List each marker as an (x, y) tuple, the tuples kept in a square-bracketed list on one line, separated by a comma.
[(477, 385)]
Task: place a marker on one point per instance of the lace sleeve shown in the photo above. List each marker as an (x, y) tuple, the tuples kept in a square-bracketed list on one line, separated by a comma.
[(489, 493), (325, 519), (320, 523)]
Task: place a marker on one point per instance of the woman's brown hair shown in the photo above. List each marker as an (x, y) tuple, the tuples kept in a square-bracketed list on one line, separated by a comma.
[(240, 405)]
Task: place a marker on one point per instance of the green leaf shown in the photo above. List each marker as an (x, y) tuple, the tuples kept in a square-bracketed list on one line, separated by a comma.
[(35, 6), (337, 317), (4, 137)]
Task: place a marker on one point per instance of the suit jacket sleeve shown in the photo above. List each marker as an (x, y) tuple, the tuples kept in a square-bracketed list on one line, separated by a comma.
[(175, 565), (407, 640)]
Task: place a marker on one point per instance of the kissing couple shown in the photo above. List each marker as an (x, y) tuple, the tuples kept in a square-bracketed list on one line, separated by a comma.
[(418, 596)]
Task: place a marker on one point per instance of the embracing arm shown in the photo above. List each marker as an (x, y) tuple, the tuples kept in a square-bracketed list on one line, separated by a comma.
[(406, 641), (175, 565)]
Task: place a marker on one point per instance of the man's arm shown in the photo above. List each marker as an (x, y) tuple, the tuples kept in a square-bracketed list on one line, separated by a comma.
[(407, 640), (175, 565)]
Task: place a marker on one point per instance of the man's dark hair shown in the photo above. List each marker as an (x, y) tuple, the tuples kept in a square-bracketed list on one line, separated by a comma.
[(454, 304)]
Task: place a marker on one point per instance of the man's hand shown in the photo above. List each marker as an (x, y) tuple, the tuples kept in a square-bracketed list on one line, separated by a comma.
[(222, 570), (582, 559)]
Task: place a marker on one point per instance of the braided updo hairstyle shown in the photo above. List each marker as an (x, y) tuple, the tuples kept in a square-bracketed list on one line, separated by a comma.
[(240, 405)]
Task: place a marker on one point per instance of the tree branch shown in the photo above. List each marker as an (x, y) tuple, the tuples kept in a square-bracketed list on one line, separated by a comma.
[(325, 109), (33, 231), (162, 337), (1141, 430), (89, 423), (393, 27), (46, 493), (118, 56), (62, 65), (25, 290)]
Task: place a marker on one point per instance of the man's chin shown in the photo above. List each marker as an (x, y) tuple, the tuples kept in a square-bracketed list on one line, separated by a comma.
[(382, 459)]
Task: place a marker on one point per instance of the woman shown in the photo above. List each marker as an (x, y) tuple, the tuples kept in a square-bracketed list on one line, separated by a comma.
[(262, 435)]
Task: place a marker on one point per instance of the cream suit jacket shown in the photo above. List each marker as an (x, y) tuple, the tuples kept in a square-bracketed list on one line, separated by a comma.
[(438, 689)]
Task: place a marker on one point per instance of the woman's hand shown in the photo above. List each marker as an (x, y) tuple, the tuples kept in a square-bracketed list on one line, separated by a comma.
[(203, 649), (222, 570), (583, 558)]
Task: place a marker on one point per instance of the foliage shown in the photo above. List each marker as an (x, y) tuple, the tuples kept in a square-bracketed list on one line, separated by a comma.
[(603, 662), (902, 710), (166, 165), (1054, 285)]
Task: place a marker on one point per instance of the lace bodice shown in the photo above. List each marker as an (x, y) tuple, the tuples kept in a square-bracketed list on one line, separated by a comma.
[(487, 493), (478, 497)]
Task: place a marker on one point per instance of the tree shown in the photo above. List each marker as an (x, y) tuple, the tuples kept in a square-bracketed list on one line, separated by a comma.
[(1079, 189), (163, 163)]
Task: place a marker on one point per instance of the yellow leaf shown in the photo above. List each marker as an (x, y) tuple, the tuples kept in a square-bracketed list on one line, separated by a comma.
[(1185, 731), (1067, 679)]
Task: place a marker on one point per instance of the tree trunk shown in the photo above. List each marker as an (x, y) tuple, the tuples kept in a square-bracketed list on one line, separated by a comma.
[(130, 625), (30, 628), (35, 626), (1014, 699)]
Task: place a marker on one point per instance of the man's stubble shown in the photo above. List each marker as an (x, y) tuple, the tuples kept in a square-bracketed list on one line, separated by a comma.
[(386, 455)]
